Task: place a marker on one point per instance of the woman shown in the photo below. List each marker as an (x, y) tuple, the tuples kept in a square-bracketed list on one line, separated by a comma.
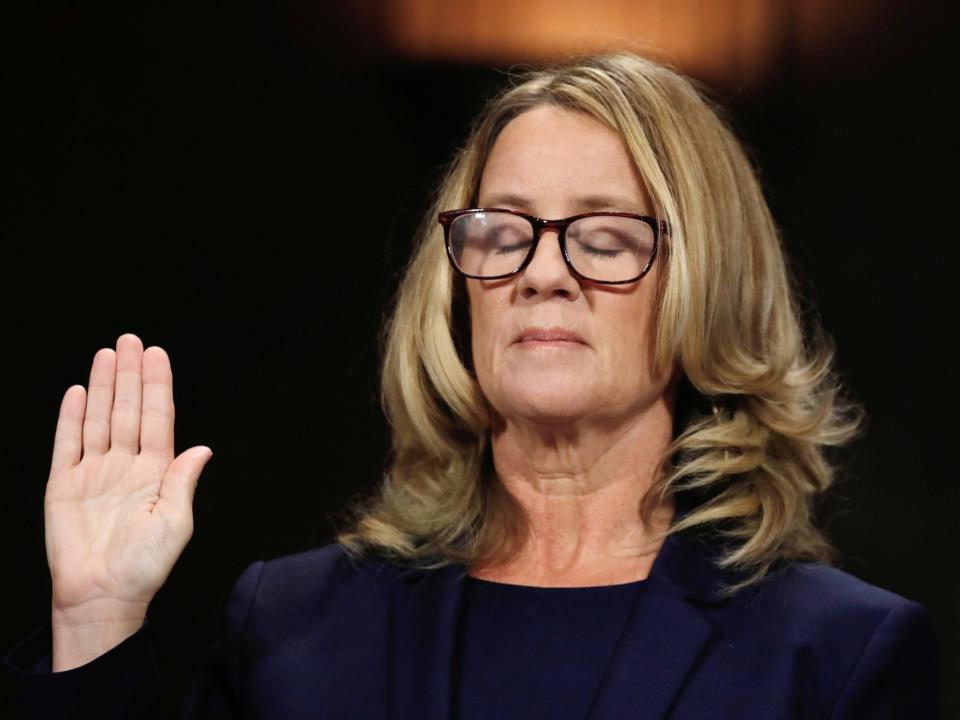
[(608, 433)]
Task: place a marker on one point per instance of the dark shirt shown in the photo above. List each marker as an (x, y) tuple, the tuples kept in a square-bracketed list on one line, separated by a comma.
[(526, 652)]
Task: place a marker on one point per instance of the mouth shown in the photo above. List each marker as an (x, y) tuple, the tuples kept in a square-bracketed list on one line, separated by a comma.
[(559, 337)]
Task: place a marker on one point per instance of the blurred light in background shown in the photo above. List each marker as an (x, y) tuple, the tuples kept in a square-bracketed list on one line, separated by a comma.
[(729, 42)]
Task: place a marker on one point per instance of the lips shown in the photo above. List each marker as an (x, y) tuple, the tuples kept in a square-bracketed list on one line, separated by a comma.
[(553, 334)]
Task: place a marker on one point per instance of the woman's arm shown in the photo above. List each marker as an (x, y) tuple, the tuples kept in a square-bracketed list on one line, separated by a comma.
[(125, 680), (122, 682)]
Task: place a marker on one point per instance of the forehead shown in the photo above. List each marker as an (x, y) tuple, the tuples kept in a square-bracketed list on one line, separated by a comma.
[(552, 156)]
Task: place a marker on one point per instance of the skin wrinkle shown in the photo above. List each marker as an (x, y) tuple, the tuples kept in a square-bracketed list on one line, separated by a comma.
[(577, 432)]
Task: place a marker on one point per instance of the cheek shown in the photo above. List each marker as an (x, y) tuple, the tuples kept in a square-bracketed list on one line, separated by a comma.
[(485, 312), (625, 330)]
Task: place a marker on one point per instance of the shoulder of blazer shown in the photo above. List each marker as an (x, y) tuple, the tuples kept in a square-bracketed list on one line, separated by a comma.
[(813, 599), (853, 636), (300, 583)]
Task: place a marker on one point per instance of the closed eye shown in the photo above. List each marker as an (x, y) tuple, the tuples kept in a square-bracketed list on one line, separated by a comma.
[(600, 252)]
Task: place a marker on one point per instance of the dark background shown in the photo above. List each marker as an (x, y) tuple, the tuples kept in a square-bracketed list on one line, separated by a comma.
[(239, 183)]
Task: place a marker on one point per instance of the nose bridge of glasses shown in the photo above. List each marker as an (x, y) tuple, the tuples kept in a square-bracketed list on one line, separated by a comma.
[(541, 228)]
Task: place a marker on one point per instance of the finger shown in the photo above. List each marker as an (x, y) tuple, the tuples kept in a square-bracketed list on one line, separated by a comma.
[(156, 422), (128, 398), (179, 484), (68, 437), (96, 423)]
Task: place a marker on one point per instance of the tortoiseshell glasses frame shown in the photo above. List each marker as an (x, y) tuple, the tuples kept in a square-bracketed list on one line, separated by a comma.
[(658, 226)]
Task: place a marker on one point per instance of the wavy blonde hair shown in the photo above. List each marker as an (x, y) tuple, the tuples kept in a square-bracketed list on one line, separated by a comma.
[(757, 404)]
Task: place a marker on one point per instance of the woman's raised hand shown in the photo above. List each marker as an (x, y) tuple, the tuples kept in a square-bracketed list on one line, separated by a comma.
[(119, 506)]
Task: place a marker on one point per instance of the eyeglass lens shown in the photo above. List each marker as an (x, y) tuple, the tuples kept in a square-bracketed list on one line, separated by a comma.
[(601, 247)]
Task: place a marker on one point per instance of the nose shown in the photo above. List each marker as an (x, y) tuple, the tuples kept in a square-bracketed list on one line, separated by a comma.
[(547, 273)]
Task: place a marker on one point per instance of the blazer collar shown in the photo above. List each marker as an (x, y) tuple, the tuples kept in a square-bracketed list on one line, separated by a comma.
[(664, 634)]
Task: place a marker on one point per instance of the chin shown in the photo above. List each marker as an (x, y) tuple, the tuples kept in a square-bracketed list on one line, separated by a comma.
[(548, 407), (549, 394)]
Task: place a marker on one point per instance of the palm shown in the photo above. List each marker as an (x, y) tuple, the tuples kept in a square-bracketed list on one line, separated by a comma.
[(118, 518)]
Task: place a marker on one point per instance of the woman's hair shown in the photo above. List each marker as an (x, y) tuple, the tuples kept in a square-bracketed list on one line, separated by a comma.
[(757, 404)]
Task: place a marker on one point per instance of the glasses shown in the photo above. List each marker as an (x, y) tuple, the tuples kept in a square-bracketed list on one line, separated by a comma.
[(603, 247)]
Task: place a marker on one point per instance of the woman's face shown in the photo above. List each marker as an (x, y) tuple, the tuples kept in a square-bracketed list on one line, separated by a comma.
[(553, 163)]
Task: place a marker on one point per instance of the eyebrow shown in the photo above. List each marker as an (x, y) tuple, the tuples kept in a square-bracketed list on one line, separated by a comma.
[(585, 202)]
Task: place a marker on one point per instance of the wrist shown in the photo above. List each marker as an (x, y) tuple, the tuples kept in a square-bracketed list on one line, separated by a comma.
[(99, 611), (82, 634)]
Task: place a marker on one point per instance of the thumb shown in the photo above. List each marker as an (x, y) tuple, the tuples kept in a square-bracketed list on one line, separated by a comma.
[(180, 481)]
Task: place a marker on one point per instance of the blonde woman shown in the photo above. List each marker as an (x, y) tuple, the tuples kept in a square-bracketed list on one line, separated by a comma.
[(607, 435)]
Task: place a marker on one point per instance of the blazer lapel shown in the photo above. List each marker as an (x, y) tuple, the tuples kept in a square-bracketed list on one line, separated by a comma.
[(664, 635), (424, 611)]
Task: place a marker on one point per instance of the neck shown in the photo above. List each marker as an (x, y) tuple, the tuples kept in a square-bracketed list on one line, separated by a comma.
[(580, 488)]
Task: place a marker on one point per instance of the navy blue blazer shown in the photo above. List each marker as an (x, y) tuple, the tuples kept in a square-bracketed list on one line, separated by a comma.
[(317, 635)]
